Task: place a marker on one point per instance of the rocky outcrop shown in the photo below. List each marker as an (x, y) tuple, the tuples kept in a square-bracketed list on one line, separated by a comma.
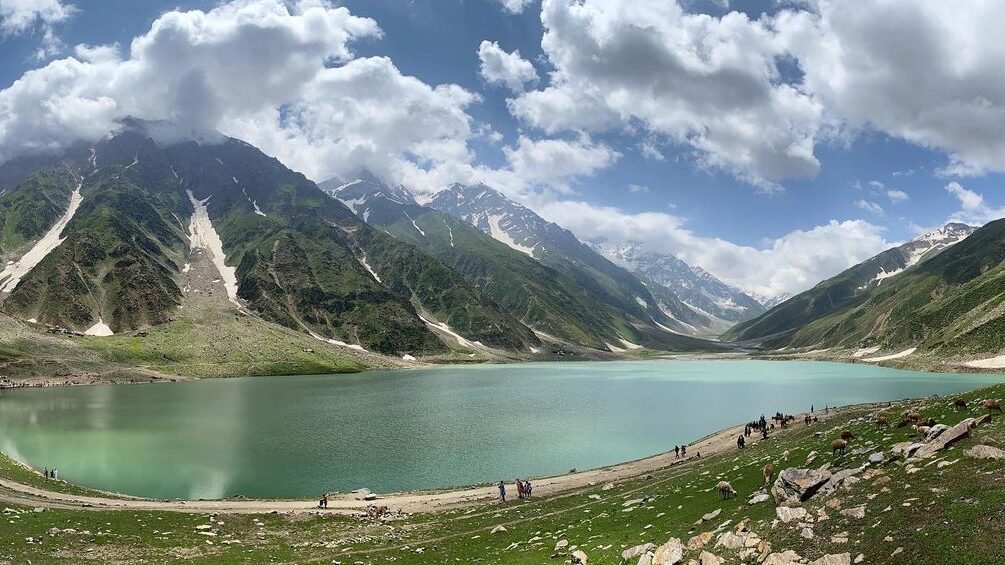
[(795, 486), (633, 552), (945, 439)]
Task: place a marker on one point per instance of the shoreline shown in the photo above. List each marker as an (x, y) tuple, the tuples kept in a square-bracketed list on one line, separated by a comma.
[(433, 500), (147, 376)]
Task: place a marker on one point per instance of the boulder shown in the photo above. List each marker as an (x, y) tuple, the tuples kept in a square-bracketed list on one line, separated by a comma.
[(633, 552), (579, 558), (790, 514), (759, 498), (645, 559), (498, 529), (856, 512), (876, 458), (707, 558), (839, 478), (833, 559), (985, 452), (699, 541), (729, 540), (795, 486), (670, 553), (562, 544), (985, 419), (935, 431), (945, 439)]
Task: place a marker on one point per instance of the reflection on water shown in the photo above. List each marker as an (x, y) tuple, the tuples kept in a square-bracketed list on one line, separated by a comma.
[(299, 436)]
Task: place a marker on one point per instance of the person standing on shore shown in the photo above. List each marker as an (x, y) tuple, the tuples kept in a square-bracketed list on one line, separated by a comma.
[(502, 491), (683, 450), (45, 472), (55, 475), (676, 452)]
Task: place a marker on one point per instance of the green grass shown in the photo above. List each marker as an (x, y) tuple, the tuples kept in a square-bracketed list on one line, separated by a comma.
[(222, 345)]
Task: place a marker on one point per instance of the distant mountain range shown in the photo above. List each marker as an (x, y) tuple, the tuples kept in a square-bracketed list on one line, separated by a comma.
[(700, 291), (938, 289), (559, 287)]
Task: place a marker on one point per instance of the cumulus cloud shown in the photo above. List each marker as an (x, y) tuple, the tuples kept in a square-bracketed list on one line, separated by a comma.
[(790, 263), (926, 71), (755, 97), (508, 69), (278, 74), (709, 84), (515, 6), (24, 16), (973, 210)]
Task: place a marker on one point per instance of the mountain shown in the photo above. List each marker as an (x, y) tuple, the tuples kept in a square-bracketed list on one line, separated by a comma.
[(884, 275), (770, 301), (550, 300), (102, 239), (722, 304)]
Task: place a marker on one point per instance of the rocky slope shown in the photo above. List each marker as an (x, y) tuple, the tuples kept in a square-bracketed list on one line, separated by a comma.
[(822, 314)]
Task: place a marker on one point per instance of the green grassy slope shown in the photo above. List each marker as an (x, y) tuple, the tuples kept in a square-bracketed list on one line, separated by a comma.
[(949, 305)]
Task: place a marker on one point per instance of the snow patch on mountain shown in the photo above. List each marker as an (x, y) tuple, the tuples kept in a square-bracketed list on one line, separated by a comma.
[(12, 274), (203, 235), (499, 234)]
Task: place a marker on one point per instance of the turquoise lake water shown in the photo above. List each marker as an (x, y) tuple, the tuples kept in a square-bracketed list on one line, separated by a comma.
[(390, 431)]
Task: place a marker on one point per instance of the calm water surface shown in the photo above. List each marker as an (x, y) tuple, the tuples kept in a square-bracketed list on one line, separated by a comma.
[(388, 431)]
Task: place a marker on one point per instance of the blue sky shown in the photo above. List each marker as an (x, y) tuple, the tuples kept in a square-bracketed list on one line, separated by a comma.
[(835, 177)]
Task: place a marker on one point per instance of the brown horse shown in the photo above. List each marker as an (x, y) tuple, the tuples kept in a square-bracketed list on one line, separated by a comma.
[(847, 435)]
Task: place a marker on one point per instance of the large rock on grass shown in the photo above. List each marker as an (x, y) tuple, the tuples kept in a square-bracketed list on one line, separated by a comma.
[(945, 439), (670, 553), (795, 486), (985, 452)]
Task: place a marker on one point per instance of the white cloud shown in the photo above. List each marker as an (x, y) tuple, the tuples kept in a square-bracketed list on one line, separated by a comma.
[(508, 69), (515, 6), (869, 206), (790, 263), (279, 75), (555, 162), (24, 16), (973, 210), (927, 71), (710, 84), (896, 196), (638, 188), (21, 16)]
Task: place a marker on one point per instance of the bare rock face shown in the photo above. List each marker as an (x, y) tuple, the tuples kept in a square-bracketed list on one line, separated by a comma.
[(795, 486), (985, 452)]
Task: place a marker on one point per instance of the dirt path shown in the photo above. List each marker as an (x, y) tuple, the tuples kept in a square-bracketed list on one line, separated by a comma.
[(412, 502)]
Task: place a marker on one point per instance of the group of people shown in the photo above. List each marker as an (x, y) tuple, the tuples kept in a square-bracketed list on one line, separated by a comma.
[(323, 503), (51, 474), (681, 451), (760, 425), (523, 489)]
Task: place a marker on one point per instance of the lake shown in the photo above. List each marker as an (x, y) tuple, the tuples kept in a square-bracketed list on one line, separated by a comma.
[(417, 429)]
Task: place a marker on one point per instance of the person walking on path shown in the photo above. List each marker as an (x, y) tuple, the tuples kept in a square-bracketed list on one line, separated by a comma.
[(502, 491)]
